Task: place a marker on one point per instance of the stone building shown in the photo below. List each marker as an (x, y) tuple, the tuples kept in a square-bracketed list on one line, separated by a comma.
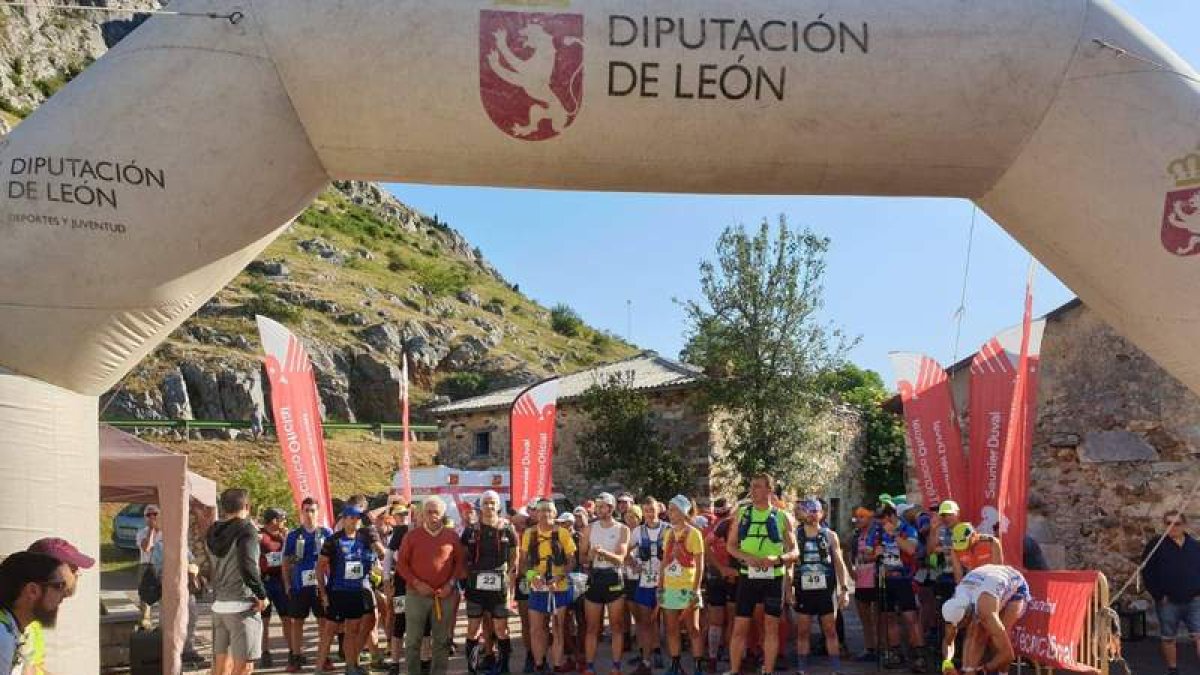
[(1117, 443), (473, 433)]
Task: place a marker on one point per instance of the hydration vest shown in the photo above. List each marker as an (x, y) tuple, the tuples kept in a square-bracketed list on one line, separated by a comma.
[(772, 524), (824, 557), (558, 556), (474, 542), (644, 546)]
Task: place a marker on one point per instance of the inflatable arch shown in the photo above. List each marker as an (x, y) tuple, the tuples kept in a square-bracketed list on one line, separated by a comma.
[(138, 191)]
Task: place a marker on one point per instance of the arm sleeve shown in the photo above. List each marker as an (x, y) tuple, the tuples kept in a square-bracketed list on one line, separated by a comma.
[(248, 562)]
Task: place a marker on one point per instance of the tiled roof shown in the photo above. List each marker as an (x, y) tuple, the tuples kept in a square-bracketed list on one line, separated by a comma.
[(649, 370)]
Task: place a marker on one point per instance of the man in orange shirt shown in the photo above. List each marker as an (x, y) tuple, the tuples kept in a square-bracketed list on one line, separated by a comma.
[(973, 549), (431, 561)]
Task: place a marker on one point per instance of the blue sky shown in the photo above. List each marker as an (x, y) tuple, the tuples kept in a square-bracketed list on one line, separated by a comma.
[(596, 251)]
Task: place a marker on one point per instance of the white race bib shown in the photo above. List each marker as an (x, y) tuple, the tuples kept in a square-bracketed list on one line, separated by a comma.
[(813, 581), (398, 604), (353, 570), (523, 586), (891, 560), (308, 578), (675, 570), (489, 581), (761, 573), (274, 559), (649, 578)]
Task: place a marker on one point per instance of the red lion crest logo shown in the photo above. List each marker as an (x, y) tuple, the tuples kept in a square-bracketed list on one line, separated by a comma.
[(531, 71)]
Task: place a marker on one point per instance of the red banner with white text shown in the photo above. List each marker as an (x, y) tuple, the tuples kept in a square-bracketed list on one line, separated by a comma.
[(295, 407), (1050, 630), (532, 458), (934, 437), (993, 375), (1012, 497)]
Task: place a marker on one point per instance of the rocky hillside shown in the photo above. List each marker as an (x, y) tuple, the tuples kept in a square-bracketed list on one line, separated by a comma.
[(359, 276)]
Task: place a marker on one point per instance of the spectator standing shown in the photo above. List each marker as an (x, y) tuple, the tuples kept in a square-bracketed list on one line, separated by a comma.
[(431, 561), (239, 594), (149, 535), (1172, 576), (32, 586), (190, 656)]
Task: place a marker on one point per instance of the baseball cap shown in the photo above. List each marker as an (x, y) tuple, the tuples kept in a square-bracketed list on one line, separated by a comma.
[(566, 517), (960, 536), (272, 513), (948, 507), (580, 511), (491, 494), (625, 497), (606, 498), (810, 505), (682, 503), (62, 551), (351, 511), (954, 609), (153, 508)]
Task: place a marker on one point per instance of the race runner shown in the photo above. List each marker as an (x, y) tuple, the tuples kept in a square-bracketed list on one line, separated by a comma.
[(820, 582), (300, 552), (272, 537), (396, 588), (973, 549), (491, 553), (605, 545), (646, 553), (762, 538), (866, 594), (895, 549), (720, 586), (683, 572), (989, 600), (548, 558), (346, 562)]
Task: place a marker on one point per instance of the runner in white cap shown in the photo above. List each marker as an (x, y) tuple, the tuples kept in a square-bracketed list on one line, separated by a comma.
[(988, 601)]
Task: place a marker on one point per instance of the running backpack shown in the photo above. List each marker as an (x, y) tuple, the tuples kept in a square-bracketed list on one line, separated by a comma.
[(644, 546), (822, 539), (772, 523), (558, 556)]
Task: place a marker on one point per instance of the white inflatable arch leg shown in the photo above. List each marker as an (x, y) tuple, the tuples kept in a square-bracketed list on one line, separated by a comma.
[(140, 189)]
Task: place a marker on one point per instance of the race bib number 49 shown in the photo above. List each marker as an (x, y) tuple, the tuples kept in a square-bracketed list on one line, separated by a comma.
[(814, 581)]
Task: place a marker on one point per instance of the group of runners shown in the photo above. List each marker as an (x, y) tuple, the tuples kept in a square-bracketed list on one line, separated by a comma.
[(734, 583)]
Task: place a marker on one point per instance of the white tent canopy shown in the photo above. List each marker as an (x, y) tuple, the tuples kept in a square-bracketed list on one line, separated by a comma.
[(141, 188)]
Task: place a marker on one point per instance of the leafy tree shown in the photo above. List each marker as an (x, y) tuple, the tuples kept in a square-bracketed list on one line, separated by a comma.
[(622, 446), (883, 432), (757, 334), (565, 321), (268, 486)]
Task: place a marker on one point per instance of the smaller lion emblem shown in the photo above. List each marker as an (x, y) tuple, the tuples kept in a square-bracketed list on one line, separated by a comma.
[(1181, 222), (531, 71)]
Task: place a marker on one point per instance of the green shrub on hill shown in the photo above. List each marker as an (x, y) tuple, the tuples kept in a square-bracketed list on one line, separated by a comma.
[(565, 321)]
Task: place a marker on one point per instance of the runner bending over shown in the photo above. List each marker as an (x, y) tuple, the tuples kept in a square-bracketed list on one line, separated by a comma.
[(989, 600)]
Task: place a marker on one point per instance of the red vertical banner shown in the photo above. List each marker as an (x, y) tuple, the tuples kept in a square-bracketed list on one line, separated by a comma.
[(532, 456), (934, 437), (406, 460), (295, 406), (1049, 632), (1013, 493), (993, 381)]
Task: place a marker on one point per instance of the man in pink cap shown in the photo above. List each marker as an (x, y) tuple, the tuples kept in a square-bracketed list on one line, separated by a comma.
[(64, 552)]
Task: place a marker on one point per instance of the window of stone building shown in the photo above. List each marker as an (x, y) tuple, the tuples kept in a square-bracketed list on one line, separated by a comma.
[(483, 443)]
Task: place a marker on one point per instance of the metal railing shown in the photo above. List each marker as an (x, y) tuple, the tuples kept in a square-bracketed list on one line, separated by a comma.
[(379, 429)]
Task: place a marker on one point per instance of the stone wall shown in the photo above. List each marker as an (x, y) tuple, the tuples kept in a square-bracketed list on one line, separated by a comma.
[(676, 416), (1117, 443)]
